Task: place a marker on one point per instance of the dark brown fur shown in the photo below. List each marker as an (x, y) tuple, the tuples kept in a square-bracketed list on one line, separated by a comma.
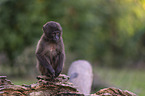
[(50, 50)]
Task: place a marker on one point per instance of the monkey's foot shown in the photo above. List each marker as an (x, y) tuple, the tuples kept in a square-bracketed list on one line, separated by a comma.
[(43, 77), (48, 80)]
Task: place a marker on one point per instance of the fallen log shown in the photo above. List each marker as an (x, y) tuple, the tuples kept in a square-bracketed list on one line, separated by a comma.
[(47, 87)]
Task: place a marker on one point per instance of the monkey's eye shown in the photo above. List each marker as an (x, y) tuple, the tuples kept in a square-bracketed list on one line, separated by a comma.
[(57, 33)]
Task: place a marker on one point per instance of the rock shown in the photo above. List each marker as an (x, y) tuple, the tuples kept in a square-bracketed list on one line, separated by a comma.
[(81, 75)]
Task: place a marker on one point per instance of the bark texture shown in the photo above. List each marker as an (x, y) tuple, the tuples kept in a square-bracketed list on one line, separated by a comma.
[(44, 87), (47, 87)]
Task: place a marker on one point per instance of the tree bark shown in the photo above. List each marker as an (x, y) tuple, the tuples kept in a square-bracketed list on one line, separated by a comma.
[(44, 87), (57, 87)]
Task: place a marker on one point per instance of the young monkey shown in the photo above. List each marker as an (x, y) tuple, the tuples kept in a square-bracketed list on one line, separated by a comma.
[(50, 50)]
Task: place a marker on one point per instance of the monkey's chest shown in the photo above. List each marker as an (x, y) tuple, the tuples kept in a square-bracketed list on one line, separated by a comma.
[(52, 50), (51, 54)]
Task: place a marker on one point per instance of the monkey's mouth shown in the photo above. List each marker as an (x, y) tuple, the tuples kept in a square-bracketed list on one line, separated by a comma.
[(54, 39)]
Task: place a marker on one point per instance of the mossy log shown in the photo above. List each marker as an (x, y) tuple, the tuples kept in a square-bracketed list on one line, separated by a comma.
[(57, 87), (44, 87)]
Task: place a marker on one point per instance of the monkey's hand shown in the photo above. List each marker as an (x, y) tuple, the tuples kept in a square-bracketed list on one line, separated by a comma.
[(58, 72), (45, 64), (50, 73)]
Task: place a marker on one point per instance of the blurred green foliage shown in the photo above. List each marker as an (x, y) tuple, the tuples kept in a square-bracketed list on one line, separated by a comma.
[(131, 80), (105, 32)]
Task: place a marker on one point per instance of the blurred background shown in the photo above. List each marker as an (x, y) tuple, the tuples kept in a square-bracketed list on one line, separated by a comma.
[(110, 34)]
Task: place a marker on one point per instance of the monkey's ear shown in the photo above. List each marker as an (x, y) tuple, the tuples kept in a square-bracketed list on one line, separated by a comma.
[(43, 28)]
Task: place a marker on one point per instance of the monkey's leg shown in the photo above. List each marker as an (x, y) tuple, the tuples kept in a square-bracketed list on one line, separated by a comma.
[(41, 68), (59, 64), (45, 64)]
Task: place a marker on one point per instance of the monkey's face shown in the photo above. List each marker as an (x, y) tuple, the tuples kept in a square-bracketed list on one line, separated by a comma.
[(53, 31), (54, 36)]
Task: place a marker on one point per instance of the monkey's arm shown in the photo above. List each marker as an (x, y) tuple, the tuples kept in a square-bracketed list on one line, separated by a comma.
[(41, 57), (44, 63), (59, 64)]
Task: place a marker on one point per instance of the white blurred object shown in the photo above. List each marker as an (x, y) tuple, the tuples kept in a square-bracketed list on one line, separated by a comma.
[(81, 75)]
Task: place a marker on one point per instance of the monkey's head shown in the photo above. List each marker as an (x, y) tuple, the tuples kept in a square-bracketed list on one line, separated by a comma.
[(52, 31)]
